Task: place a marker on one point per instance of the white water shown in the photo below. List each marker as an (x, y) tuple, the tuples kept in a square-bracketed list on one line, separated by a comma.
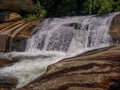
[(57, 39)]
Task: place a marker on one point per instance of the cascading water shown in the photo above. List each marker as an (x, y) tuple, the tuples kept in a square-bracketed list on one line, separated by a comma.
[(72, 35), (58, 38)]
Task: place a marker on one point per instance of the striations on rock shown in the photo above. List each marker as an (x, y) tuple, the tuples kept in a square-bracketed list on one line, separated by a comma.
[(7, 16), (12, 33), (98, 71)]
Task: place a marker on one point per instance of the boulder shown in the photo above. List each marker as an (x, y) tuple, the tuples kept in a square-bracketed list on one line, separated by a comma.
[(5, 61), (8, 82), (115, 27), (17, 5), (7, 16), (90, 71)]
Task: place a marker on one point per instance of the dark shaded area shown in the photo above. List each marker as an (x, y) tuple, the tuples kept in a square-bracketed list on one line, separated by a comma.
[(8, 82), (115, 85), (78, 7)]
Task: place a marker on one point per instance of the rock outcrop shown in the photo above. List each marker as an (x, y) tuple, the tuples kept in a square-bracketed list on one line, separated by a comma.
[(17, 5), (12, 33), (7, 16), (14, 30), (115, 27), (91, 71)]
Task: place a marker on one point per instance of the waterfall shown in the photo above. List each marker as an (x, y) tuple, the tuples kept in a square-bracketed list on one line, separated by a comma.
[(58, 38), (72, 34)]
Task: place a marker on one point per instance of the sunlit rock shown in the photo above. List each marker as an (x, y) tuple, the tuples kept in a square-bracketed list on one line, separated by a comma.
[(115, 27), (96, 71), (7, 16), (13, 35)]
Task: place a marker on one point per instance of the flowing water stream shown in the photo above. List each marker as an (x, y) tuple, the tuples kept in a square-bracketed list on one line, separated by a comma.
[(58, 38)]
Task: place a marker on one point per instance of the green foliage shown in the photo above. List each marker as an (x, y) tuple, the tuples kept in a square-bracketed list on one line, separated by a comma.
[(116, 6), (100, 6), (52, 8), (39, 12)]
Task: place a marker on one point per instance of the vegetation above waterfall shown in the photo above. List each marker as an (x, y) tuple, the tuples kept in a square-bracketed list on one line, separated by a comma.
[(38, 13), (53, 8)]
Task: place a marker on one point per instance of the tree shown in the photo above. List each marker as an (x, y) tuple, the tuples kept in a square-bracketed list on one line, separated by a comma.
[(100, 6)]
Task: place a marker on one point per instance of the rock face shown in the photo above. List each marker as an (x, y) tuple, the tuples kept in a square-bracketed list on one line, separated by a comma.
[(12, 33), (17, 5), (7, 16), (91, 71), (115, 27)]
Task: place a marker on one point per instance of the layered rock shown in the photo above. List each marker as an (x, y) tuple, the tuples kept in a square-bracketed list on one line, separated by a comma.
[(13, 30), (12, 33), (91, 71), (7, 16)]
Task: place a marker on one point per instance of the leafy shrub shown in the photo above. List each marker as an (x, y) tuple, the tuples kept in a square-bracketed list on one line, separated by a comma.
[(100, 6), (39, 12), (72, 7)]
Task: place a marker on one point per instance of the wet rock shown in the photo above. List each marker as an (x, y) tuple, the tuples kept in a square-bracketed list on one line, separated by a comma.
[(2, 63), (93, 71), (115, 27), (8, 82), (5, 61), (17, 5), (6, 16)]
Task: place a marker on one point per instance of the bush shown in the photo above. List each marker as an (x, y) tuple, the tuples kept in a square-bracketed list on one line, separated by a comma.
[(100, 6), (73, 7), (39, 12)]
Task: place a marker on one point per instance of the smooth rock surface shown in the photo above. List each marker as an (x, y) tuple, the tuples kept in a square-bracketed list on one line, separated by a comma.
[(95, 71), (17, 5), (115, 27)]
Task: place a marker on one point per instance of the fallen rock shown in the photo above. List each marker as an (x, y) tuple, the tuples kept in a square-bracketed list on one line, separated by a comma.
[(115, 27), (7, 16), (17, 5), (98, 71), (8, 82)]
